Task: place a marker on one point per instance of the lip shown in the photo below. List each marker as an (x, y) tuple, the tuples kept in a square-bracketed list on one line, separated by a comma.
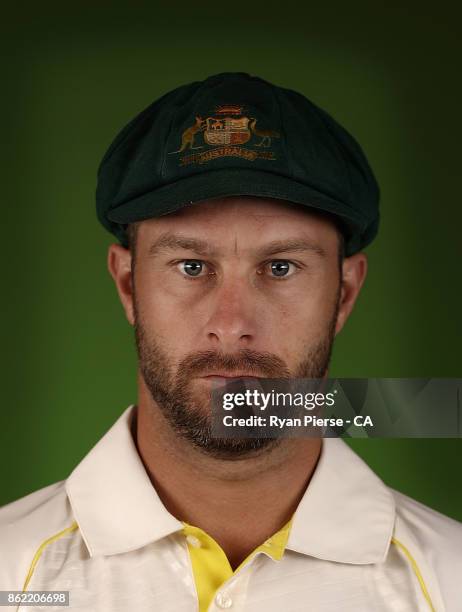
[(229, 376)]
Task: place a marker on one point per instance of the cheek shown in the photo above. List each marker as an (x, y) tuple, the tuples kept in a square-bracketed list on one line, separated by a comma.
[(303, 319), (167, 314)]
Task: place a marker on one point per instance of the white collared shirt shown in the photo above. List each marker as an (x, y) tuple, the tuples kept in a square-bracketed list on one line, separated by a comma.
[(105, 536)]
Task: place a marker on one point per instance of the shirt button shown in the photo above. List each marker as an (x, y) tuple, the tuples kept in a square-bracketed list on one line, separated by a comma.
[(195, 542), (223, 601)]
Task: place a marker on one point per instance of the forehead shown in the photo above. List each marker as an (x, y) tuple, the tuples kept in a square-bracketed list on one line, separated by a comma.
[(244, 215)]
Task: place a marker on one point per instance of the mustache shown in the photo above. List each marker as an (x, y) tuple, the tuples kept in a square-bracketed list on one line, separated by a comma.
[(253, 362)]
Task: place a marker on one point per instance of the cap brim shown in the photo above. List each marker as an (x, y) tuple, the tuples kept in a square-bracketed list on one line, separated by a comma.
[(237, 182)]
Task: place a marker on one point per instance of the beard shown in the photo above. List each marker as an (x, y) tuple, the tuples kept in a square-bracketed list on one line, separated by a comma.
[(187, 410)]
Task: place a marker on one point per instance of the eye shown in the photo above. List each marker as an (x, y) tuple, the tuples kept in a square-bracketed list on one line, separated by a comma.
[(281, 267), (191, 267)]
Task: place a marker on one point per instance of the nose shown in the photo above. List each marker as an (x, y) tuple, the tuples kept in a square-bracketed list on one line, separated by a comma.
[(233, 319)]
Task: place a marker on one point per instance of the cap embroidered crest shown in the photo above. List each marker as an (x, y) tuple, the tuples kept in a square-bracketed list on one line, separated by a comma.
[(227, 126)]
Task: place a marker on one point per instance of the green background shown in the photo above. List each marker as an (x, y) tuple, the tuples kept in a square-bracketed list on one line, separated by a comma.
[(75, 73)]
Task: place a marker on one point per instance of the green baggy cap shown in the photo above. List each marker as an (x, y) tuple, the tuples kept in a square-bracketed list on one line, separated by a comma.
[(234, 135)]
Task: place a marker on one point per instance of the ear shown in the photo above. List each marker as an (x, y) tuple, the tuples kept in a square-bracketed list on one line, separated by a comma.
[(119, 263), (354, 274)]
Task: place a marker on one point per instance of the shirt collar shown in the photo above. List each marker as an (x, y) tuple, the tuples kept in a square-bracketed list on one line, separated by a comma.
[(346, 514), (114, 503)]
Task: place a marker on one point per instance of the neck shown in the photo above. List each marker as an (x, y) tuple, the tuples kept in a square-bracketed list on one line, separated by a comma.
[(240, 503)]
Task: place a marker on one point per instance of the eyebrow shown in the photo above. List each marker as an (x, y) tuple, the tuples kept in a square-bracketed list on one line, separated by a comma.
[(296, 245), (171, 241)]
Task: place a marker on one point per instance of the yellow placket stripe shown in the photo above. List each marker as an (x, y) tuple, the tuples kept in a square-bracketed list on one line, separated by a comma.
[(210, 565), (416, 570), (40, 550)]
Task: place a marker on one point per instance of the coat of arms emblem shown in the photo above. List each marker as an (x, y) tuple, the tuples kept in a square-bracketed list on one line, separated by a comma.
[(223, 133), (225, 128)]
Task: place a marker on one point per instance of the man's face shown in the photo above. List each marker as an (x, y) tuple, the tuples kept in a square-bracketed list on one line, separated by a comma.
[(229, 288)]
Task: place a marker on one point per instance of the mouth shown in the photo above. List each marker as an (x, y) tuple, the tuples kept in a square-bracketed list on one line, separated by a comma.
[(227, 377)]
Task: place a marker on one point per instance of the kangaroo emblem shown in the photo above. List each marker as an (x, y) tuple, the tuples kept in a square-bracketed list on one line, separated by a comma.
[(265, 135), (187, 138)]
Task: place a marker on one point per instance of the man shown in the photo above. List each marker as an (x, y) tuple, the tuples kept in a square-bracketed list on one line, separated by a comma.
[(242, 210)]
